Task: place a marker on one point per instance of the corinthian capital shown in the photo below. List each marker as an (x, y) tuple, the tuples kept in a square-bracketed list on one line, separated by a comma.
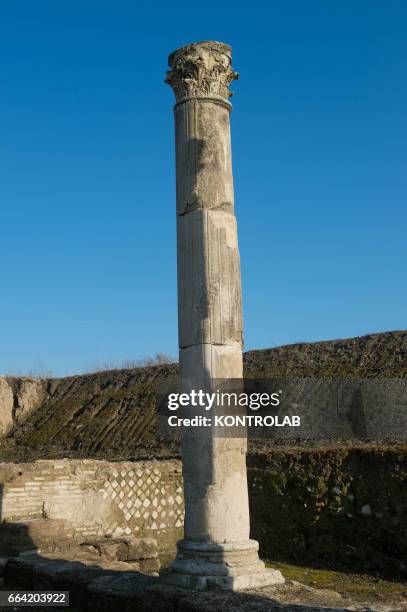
[(201, 70)]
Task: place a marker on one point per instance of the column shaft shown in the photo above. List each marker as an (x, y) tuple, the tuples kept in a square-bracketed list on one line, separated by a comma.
[(216, 550)]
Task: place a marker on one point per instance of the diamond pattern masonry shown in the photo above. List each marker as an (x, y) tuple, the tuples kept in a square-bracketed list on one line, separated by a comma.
[(145, 501), (98, 498)]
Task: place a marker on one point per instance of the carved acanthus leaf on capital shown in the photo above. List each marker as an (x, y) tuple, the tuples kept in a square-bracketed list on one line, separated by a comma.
[(201, 70)]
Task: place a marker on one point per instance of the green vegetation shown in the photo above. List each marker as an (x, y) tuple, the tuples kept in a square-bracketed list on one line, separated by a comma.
[(348, 585)]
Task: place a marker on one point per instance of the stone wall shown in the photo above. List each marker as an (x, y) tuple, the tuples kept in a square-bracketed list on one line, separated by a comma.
[(18, 398), (344, 506), (332, 506), (97, 498)]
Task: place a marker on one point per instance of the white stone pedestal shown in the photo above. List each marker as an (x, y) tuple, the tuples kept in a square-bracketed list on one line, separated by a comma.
[(232, 566)]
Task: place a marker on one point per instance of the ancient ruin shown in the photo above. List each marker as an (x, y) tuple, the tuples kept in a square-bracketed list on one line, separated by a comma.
[(94, 502), (217, 549)]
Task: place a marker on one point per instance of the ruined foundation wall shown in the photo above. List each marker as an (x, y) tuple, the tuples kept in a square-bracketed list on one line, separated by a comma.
[(97, 498), (340, 506), (343, 505)]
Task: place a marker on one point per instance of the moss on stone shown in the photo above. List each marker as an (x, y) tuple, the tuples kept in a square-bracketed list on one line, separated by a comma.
[(346, 584), (329, 506)]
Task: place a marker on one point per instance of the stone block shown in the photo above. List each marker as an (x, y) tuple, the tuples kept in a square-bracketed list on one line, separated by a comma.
[(123, 549), (210, 309), (6, 406), (141, 548), (204, 165), (43, 535), (54, 574), (121, 593), (148, 566), (109, 549)]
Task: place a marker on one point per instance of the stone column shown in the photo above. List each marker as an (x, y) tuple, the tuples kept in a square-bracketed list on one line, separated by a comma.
[(217, 550)]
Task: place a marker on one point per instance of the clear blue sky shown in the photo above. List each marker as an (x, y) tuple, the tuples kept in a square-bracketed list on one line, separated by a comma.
[(87, 189)]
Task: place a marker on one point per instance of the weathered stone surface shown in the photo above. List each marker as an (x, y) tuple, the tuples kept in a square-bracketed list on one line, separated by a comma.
[(288, 597), (200, 577), (305, 505), (82, 500), (285, 528), (109, 549), (140, 553), (148, 566), (113, 588), (6, 405), (141, 548), (209, 288), (209, 321), (203, 157), (36, 535), (122, 593), (52, 573), (223, 360), (208, 487), (209, 295), (18, 398), (29, 394), (201, 70)]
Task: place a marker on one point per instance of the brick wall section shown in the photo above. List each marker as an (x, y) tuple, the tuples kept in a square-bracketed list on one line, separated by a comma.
[(97, 498)]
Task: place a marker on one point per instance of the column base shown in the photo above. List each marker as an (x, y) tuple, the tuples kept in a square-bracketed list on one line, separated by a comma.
[(232, 566)]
